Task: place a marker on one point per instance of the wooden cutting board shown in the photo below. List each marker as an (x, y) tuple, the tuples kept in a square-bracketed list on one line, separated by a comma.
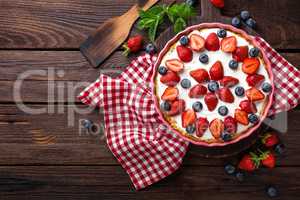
[(209, 13)]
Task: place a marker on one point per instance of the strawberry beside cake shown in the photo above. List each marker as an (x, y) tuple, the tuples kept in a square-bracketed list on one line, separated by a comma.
[(212, 84)]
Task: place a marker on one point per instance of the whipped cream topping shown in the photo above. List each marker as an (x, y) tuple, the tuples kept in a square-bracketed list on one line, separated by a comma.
[(214, 56)]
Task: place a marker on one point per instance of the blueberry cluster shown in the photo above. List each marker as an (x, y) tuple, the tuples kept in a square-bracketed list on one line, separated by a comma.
[(243, 17)]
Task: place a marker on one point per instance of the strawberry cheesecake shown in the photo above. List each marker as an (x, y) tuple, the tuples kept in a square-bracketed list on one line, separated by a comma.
[(212, 84)]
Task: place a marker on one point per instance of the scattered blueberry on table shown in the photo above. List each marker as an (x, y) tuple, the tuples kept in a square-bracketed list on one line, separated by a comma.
[(272, 191), (279, 149), (150, 48), (87, 124), (236, 22), (191, 2), (251, 23), (240, 176), (245, 14), (229, 169)]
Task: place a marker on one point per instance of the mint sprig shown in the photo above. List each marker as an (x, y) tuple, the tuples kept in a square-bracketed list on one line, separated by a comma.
[(177, 14)]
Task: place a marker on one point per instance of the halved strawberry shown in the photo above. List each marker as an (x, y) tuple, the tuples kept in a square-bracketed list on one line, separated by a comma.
[(200, 75), (212, 42), (170, 94), (229, 81), (174, 65), (254, 94), (230, 124), (216, 71), (240, 53), (241, 117), (248, 106), (177, 107), (216, 128), (211, 101), (184, 53), (225, 95), (188, 117), (250, 65), (255, 80), (197, 42), (228, 44), (170, 78), (201, 126), (197, 91)]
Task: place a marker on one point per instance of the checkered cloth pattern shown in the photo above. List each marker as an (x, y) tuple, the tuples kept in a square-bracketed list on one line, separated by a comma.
[(142, 144)]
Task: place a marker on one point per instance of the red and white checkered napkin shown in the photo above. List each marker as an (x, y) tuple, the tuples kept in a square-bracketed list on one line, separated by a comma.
[(135, 135)]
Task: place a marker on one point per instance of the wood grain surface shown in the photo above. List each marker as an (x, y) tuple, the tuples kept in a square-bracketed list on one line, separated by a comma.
[(43, 156)]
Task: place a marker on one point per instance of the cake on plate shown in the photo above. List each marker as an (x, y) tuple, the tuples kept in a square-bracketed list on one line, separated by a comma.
[(212, 84)]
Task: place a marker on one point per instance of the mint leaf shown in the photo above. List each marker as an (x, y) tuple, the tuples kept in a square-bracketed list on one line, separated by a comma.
[(179, 25)]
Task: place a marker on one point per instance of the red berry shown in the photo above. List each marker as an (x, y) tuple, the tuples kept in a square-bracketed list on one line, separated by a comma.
[(254, 94), (174, 65), (218, 3), (255, 80), (177, 107), (170, 78), (241, 117), (248, 106), (197, 42), (270, 140), (229, 81), (230, 125), (228, 44), (201, 126), (268, 159), (250, 65), (188, 117), (170, 94), (134, 44), (200, 75), (197, 91), (184, 53), (216, 128), (240, 53), (211, 101), (216, 71), (249, 162), (212, 42), (225, 95)]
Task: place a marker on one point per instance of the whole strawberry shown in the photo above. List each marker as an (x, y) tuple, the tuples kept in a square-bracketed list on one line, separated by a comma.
[(270, 139), (218, 3), (249, 162), (268, 159), (133, 45)]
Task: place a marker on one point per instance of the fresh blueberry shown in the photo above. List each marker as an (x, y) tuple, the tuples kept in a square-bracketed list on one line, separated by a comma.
[(229, 169), (280, 149), (266, 87), (226, 136), (213, 86), (197, 106), (203, 58), (233, 64), (223, 110), (166, 106), (184, 40), (272, 191), (245, 14), (254, 52), (239, 91), (221, 33), (150, 48), (251, 23), (162, 70), (236, 22), (240, 176), (191, 2), (87, 123), (190, 128), (185, 83), (253, 118)]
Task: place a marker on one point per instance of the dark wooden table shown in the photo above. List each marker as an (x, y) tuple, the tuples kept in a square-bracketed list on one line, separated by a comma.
[(44, 156)]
